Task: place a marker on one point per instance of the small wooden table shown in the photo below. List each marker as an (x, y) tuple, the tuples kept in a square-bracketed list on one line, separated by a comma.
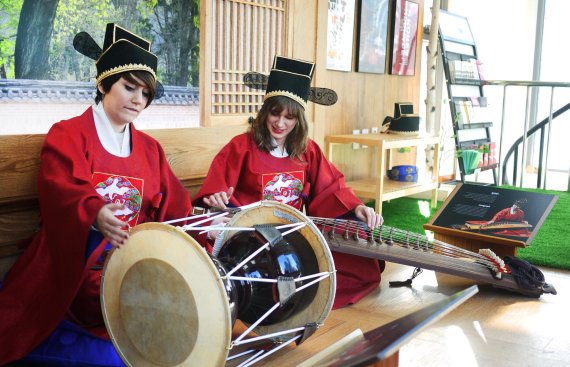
[(379, 188)]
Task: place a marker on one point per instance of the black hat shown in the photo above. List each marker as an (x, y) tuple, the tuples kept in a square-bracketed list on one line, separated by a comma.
[(404, 121), (291, 78), (122, 51)]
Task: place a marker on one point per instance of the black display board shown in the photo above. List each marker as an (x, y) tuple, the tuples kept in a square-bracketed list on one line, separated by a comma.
[(494, 211)]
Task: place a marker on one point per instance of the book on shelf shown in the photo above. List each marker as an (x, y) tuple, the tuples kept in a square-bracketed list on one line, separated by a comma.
[(479, 113), (492, 154), (479, 101), (480, 69), (471, 111), (464, 70), (462, 114)]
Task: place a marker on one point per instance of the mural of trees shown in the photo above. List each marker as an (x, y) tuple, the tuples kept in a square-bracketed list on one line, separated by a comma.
[(9, 14), (36, 36)]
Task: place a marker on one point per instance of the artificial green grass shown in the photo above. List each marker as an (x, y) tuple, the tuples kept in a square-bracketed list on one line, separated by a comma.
[(408, 214), (550, 247)]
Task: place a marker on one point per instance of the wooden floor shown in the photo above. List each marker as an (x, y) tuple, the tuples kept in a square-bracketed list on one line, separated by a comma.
[(493, 328)]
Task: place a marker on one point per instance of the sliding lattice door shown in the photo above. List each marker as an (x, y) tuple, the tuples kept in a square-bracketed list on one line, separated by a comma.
[(245, 36)]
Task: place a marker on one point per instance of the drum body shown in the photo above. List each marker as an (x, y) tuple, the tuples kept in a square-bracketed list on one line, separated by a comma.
[(309, 245), (290, 258), (167, 302)]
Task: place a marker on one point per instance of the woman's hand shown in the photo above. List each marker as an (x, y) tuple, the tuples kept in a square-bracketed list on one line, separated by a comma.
[(110, 226), (221, 221), (368, 216), (219, 199)]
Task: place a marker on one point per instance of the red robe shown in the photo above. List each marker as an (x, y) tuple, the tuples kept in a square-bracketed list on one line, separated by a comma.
[(505, 215), (41, 285), (317, 183)]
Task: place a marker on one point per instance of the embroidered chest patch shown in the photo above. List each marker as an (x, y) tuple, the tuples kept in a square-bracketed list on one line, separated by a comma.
[(121, 190), (285, 187)]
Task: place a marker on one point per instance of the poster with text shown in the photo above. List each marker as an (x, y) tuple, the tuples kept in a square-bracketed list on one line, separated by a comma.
[(340, 34), (405, 37)]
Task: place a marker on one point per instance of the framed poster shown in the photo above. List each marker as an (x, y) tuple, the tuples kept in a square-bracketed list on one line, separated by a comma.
[(340, 34), (494, 211), (404, 37), (372, 36)]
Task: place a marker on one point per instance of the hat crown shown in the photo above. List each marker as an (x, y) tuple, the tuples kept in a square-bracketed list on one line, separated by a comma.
[(114, 32), (124, 51), (290, 78), (296, 66)]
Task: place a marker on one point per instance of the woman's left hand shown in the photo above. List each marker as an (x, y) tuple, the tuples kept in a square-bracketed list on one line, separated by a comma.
[(368, 216)]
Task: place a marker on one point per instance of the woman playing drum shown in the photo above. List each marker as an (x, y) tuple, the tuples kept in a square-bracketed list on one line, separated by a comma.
[(276, 160), (99, 176)]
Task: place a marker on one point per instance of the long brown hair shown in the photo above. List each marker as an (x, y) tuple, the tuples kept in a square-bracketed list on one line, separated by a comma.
[(144, 76), (296, 140)]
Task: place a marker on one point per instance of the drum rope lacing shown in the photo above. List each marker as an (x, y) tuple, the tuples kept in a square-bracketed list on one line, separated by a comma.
[(316, 278)]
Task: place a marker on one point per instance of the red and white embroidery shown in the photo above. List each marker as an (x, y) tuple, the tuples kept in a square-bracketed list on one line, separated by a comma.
[(120, 190), (284, 187)]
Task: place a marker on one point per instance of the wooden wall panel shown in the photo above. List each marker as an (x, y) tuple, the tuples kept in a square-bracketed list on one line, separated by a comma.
[(364, 98)]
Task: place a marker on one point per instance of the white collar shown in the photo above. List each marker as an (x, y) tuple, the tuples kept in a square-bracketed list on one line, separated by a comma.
[(279, 152), (118, 144)]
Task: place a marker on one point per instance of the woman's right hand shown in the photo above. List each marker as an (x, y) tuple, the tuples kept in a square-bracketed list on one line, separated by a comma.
[(219, 199), (110, 226)]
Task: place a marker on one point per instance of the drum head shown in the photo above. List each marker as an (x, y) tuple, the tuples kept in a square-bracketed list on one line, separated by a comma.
[(163, 301), (274, 212)]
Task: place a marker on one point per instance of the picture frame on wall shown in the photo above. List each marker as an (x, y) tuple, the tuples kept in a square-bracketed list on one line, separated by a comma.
[(372, 36), (340, 34), (405, 17)]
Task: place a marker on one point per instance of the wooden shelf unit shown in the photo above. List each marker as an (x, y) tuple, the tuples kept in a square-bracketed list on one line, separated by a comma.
[(380, 188)]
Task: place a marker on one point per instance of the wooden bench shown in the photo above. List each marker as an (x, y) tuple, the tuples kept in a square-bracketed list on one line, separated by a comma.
[(189, 152)]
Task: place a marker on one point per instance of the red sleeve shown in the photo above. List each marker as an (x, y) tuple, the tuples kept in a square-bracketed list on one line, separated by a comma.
[(42, 283), (328, 196), (64, 184), (500, 215)]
